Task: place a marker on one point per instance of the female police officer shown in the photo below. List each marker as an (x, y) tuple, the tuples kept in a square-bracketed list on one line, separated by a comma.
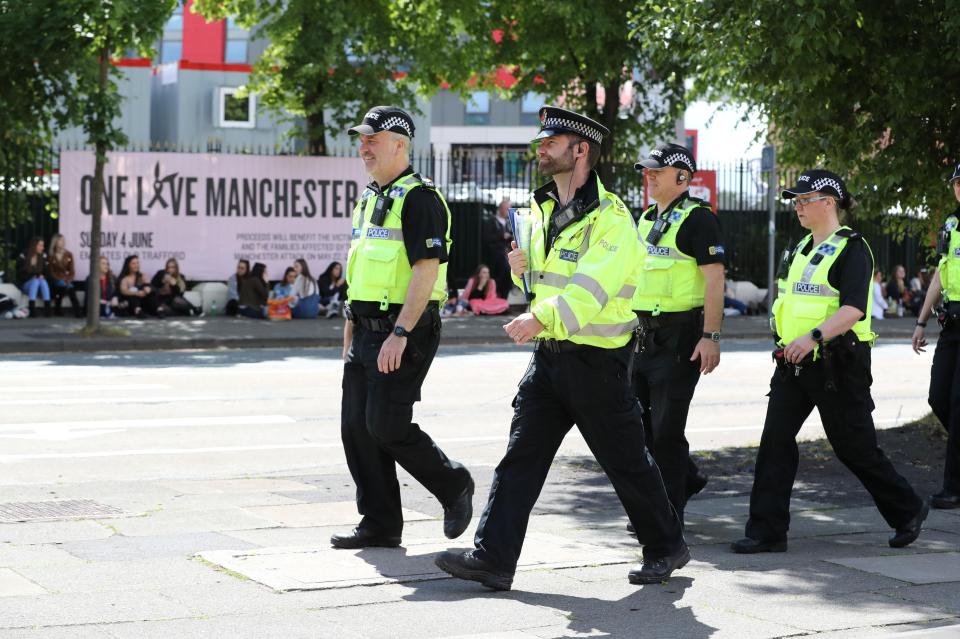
[(945, 373), (821, 322)]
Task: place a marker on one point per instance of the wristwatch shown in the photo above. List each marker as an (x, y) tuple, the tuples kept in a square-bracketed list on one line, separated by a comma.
[(714, 336), (921, 324), (817, 335), (400, 331)]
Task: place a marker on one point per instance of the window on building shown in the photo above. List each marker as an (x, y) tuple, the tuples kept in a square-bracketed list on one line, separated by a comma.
[(235, 111), (170, 51), (175, 22), (235, 51), (478, 108), (530, 108)]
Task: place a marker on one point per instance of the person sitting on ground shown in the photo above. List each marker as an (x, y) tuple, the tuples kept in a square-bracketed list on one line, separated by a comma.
[(254, 293), (732, 303), (306, 291), (283, 298), (333, 288), (481, 294), (61, 271), (233, 287), (918, 291), (135, 293), (31, 266), (108, 289), (170, 286), (897, 292), (879, 305)]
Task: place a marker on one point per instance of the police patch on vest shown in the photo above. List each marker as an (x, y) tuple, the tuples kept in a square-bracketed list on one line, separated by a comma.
[(805, 288), (675, 216), (396, 192), (356, 234), (715, 250), (956, 252), (827, 249), (660, 251), (569, 256), (378, 233), (951, 223), (434, 242)]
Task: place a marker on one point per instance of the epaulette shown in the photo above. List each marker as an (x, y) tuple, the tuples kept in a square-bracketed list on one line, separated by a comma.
[(699, 201), (850, 234), (426, 182)]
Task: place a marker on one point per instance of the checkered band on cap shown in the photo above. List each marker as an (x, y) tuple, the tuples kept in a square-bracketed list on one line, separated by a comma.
[(825, 181), (678, 157), (584, 129), (396, 121)]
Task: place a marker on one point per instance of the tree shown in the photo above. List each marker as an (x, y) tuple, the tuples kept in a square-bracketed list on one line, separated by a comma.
[(864, 88), (106, 29), (618, 62), (325, 57)]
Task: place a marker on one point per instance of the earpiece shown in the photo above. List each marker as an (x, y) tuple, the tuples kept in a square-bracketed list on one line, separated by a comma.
[(681, 178)]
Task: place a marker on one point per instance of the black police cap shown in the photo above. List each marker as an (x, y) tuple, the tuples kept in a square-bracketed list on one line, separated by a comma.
[(955, 176), (384, 118), (554, 121), (819, 181), (668, 155)]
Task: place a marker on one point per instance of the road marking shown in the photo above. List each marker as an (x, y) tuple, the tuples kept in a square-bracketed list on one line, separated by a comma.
[(12, 388), (73, 430), (5, 459), (71, 401)]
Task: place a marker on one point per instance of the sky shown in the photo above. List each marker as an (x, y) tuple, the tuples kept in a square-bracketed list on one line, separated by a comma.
[(722, 136)]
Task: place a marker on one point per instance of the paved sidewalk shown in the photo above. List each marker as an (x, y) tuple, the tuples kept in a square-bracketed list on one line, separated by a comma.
[(59, 334), (249, 557)]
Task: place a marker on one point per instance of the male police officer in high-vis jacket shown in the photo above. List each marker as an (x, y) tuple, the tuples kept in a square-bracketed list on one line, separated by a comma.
[(821, 322), (396, 272), (679, 303), (582, 263), (944, 395)]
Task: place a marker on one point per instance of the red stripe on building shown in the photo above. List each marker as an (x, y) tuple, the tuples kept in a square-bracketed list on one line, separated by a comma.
[(220, 66), (202, 41), (132, 62)]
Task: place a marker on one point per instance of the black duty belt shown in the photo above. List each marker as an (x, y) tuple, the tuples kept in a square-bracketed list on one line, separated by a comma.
[(652, 322), (385, 324), (559, 346)]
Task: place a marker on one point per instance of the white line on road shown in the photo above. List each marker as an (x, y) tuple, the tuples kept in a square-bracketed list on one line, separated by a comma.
[(212, 449), (160, 422), (52, 389)]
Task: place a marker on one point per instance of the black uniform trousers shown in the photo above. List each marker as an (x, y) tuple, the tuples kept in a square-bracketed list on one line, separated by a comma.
[(664, 379), (377, 431), (589, 387), (945, 400), (847, 421)]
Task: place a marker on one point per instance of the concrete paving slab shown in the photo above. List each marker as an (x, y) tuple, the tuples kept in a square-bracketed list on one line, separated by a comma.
[(171, 522), (48, 532), (219, 501), (122, 548), (933, 568), (166, 574), (273, 626), (88, 608), (947, 598), (13, 584), (18, 556), (59, 632), (320, 514), (245, 485), (739, 506), (876, 542), (946, 630), (285, 569)]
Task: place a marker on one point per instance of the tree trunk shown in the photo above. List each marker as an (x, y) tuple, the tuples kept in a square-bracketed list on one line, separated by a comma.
[(93, 288), (316, 131), (608, 118)]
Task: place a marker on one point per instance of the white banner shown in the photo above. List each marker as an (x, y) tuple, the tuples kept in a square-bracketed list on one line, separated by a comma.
[(209, 210)]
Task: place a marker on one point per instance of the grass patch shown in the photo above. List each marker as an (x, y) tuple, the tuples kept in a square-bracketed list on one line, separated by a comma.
[(219, 568)]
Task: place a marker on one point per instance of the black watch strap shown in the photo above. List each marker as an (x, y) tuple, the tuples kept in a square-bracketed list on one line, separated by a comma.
[(714, 336), (923, 324), (400, 331)]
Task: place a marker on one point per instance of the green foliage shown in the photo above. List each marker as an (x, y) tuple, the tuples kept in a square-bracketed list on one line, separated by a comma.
[(865, 88)]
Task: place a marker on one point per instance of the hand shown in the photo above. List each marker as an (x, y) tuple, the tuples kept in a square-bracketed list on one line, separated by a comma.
[(709, 353), (391, 353), (918, 341), (518, 260), (799, 348), (523, 328)]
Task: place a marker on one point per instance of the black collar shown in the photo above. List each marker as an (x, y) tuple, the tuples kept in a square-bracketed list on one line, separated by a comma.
[(386, 187), (652, 214), (588, 193)]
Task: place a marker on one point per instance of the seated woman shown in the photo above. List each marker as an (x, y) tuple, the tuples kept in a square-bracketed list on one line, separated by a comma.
[(108, 289), (31, 269), (282, 298), (481, 294), (135, 294), (333, 288), (61, 270), (254, 293), (170, 286), (233, 287), (305, 289)]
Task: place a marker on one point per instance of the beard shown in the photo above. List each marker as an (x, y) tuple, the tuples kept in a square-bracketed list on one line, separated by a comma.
[(552, 166)]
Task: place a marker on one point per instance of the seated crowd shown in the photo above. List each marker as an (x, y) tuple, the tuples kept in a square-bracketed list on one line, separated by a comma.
[(297, 296)]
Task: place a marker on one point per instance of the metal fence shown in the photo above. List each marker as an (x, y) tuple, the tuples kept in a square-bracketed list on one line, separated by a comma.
[(474, 182)]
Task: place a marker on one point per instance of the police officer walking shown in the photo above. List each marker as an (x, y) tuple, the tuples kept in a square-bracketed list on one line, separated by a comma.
[(397, 272), (582, 262), (821, 322), (679, 304), (945, 373)]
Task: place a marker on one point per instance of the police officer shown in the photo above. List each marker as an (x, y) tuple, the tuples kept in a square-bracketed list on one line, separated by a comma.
[(396, 271), (679, 304), (944, 374), (821, 322), (582, 263)]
